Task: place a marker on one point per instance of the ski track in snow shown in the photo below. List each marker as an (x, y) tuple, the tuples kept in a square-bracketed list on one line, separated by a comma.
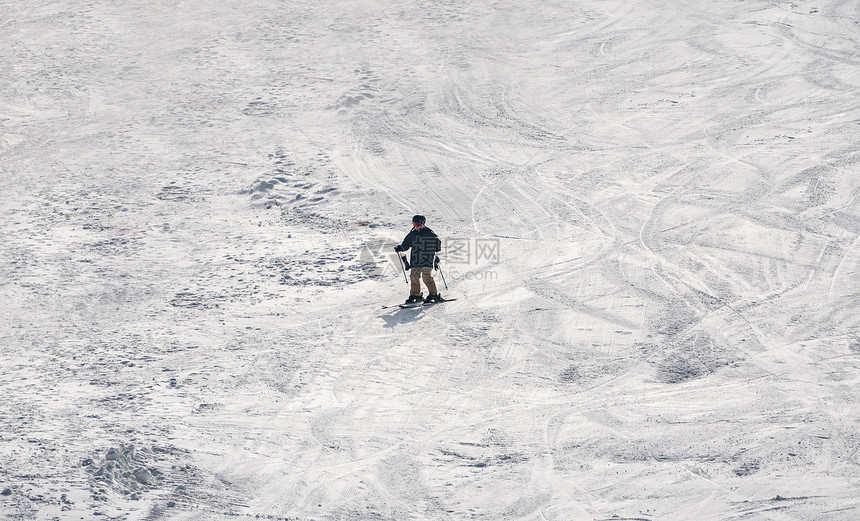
[(200, 202)]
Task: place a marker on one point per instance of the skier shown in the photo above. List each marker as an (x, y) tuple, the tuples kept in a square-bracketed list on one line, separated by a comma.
[(422, 259)]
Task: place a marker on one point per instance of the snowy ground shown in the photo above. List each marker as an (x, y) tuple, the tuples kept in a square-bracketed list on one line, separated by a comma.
[(657, 315)]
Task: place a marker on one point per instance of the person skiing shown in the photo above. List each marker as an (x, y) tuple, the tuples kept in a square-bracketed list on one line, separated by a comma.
[(422, 259)]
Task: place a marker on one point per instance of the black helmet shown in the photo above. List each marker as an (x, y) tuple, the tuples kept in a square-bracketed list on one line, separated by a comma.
[(418, 219)]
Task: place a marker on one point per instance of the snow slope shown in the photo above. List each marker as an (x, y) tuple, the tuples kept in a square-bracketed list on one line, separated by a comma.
[(652, 230)]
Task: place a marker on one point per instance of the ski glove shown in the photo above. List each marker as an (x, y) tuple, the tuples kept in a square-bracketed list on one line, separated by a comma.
[(398, 248)]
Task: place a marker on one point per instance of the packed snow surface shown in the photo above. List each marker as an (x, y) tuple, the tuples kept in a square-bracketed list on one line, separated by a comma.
[(650, 220)]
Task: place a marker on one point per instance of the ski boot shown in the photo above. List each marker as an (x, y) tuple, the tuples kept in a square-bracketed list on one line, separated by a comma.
[(433, 298), (413, 299)]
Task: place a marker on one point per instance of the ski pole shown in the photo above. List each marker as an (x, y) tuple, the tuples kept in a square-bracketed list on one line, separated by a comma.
[(402, 267), (440, 273)]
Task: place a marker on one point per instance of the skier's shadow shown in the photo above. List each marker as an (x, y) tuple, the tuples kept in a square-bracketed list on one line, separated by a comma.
[(402, 316)]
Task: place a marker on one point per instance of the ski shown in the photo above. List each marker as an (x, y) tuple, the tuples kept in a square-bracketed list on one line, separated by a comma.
[(416, 304), (437, 302), (404, 306)]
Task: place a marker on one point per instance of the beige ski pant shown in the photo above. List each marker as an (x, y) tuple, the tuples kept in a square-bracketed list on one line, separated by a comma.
[(415, 276)]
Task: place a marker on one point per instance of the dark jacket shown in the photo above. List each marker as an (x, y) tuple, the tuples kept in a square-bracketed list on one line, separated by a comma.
[(424, 244)]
